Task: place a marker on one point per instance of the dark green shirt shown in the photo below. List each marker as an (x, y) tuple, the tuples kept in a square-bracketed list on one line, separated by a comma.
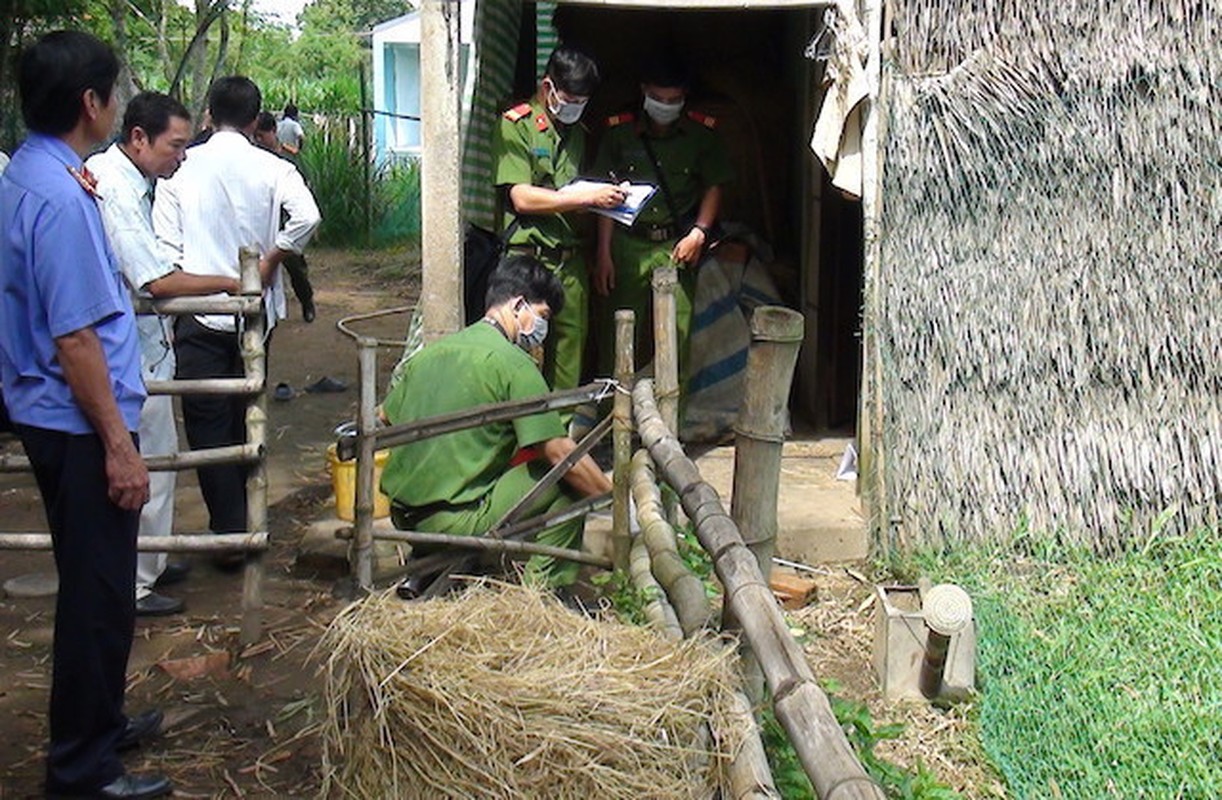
[(528, 147), (474, 366), (690, 154)]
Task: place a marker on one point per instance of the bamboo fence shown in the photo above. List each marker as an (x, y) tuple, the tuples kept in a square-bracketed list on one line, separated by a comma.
[(254, 542)]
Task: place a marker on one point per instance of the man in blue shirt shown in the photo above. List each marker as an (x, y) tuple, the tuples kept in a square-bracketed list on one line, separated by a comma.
[(70, 368)]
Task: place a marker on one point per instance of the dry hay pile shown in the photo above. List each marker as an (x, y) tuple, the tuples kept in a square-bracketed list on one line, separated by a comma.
[(1046, 310), (504, 693)]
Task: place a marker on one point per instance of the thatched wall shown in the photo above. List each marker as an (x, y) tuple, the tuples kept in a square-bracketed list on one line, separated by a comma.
[(1050, 303)]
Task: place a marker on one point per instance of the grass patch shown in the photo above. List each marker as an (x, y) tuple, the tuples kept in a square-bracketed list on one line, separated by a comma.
[(1100, 676), (384, 213)]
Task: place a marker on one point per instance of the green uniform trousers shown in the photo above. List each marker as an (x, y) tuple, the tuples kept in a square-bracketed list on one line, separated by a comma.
[(566, 339), (635, 260), (506, 492)]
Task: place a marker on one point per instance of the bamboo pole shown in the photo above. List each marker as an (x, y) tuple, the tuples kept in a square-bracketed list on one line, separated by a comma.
[(666, 345), (188, 459), (396, 435), (254, 357), (683, 589), (749, 775), (552, 476), (625, 366), (361, 554), (173, 306), (504, 546), (207, 386), (776, 334), (178, 543), (658, 610), (801, 706)]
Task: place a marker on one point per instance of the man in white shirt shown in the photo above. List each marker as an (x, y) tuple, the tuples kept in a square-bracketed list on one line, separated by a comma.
[(156, 129), (228, 195), (289, 132)]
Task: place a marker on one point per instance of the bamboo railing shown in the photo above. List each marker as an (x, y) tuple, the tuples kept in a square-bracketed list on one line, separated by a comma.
[(254, 542), (800, 705)]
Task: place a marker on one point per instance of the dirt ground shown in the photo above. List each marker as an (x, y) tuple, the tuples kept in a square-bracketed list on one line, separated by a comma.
[(249, 727)]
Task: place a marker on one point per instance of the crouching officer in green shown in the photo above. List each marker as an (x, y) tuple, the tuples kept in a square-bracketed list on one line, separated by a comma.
[(464, 482), (538, 148), (681, 155)]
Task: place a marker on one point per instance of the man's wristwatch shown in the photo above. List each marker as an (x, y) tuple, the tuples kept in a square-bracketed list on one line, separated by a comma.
[(702, 228)]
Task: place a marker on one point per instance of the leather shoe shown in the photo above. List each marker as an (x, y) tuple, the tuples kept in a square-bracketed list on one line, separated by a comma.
[(124, 787), (307, 311), (174, 572), (158, 605), (140, 727), (136, 787)]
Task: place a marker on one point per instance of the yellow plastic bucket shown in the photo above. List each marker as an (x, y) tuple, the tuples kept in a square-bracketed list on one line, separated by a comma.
[(343, 482)]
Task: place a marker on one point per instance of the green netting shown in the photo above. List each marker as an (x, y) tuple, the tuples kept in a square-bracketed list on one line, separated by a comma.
[(1049, 326)]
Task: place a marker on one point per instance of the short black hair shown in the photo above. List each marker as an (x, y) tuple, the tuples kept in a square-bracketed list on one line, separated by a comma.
[(665, 71), (573, 71), (234, 101), (290, 110), (525, 276), (266, 121), (151, 112), (54, 74)]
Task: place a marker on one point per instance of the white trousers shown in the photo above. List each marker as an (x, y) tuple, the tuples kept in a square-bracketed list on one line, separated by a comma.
[(158, 437)]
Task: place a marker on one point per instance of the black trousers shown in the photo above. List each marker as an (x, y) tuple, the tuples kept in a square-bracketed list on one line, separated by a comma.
[(214, 420), (95, 612), (299, 276)]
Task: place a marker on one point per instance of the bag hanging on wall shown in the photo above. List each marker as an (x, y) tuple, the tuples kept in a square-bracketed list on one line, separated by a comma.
[(482, 249)]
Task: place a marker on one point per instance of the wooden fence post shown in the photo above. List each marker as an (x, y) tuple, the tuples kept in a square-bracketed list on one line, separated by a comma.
[(362, 542), (254, 357), (625, 366), (776, 334)]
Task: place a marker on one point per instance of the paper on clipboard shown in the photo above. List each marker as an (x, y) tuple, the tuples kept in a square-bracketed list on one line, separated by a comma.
[(627, 212)]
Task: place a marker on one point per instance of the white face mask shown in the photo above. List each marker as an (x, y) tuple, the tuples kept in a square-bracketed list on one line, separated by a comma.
[(529, 340), (565, 112), (662, 113)]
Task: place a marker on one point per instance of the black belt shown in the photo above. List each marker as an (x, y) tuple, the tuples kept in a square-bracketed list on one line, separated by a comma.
[(554, 255), (653, 233)]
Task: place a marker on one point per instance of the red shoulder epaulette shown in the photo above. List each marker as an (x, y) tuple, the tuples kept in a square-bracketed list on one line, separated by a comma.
[(518, 112), (620, 119), (706, 120)]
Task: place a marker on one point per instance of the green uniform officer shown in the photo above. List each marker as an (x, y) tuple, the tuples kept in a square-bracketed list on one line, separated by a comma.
[(684, 157), (464, 482), (538, 148)]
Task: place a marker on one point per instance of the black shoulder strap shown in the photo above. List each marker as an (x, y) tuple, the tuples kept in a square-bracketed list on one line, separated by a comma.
[(657, 170)]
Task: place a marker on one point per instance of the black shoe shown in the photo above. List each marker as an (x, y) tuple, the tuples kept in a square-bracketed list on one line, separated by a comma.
[(158, 605), (326, 385), (136, 787), (307, 311), (174, 572), (283, 392), (140, 727)]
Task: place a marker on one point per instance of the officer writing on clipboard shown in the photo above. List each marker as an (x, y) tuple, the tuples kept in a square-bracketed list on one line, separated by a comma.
[(538, 148)]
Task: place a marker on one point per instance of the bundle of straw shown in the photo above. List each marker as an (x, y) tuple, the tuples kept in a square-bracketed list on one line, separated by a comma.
[(504, 693)]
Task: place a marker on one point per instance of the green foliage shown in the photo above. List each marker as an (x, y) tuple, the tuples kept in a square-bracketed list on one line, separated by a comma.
[(696, 557), (626, 599), (335, 170), (855, 719), (1101, 675)]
